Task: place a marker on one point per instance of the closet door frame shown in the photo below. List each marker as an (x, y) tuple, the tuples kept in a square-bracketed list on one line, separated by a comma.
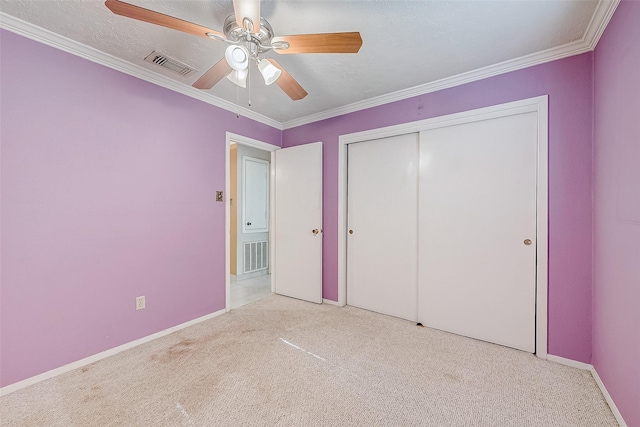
[(540, 106)]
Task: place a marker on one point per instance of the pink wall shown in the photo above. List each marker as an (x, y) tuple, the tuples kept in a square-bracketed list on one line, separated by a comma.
[(108, 188), (616, 291), (568, 83)]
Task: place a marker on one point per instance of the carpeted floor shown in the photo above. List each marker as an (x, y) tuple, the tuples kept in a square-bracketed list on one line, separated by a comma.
[(284, 362)]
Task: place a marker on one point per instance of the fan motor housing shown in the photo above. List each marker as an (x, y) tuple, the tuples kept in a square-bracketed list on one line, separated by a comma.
[(262, 39)]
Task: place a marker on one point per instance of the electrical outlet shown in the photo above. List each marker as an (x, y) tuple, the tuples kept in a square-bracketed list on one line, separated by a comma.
[(140, 303)]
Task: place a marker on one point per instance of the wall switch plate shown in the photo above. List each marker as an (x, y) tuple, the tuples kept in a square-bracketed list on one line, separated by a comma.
[(140, 303), (218, 196)]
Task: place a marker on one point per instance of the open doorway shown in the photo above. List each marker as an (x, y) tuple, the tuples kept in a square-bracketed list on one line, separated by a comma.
[(249, 228), (249, 200)]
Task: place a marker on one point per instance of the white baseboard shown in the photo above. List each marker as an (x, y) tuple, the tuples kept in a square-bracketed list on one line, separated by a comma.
[(569, 362), (104, 354), (596, 377), (607, 397), (331, 302)]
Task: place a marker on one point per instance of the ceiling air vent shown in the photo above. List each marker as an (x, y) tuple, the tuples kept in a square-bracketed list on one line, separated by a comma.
[(169, 63)]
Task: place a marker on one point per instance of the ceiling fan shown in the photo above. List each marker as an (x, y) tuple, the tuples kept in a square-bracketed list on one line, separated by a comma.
[(249, 37)]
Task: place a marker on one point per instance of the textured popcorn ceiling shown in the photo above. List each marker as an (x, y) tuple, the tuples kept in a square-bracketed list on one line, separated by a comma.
[(405, 43)]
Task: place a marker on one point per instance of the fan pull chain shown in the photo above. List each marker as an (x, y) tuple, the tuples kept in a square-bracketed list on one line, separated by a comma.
[(238, 102), (249, 83)]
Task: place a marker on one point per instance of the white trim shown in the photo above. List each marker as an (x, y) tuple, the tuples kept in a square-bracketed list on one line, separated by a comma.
[(272, 222), (608, 398), (331, 302), (542, 229), (102, 355), (587, 367), (245, 140), (500, 110), (600, 19), (446, 83), (569, 362), (538, 104), (57, 41), (342, 220)]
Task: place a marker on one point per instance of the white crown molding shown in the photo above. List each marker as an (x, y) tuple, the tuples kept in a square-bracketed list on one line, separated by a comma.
[(57, 41), (601, 16), (600, 19)]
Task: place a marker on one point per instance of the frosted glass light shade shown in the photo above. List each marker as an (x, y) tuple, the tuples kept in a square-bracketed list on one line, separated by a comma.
[(269, 72), (239, 77), (237, 57)]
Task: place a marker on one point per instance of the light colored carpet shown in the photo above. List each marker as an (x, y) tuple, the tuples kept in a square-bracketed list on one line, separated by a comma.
[(284, 362)]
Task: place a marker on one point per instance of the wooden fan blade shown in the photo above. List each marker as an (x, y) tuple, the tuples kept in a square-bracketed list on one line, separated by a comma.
[(247, 9), (321, 43), (288, 84), (216, 73), (141, 14)]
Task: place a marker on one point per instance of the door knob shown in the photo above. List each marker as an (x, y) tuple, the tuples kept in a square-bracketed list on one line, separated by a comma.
[(315, 231), (350, 231), (527, 242)]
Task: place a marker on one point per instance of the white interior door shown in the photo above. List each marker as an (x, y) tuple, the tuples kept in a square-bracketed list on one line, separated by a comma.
[(255, 194), (382, 217), (477, 221), (298, 222)]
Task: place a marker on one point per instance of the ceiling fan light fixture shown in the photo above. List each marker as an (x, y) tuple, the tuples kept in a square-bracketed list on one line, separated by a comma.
[(269, 72), (249, 36), (239, 77), (237, 57)]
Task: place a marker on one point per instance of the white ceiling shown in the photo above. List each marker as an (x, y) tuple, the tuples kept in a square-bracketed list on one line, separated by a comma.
[(408, 46)]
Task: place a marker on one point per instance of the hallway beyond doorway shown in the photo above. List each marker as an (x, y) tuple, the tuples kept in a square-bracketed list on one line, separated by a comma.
[(245, 291)]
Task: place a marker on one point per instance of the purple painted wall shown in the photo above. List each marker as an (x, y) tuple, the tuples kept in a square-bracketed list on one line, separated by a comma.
[(616, 290), (568, 82), (108, 189)]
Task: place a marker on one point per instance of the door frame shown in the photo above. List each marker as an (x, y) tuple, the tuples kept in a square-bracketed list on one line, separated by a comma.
[(245, 140), (540, 105)]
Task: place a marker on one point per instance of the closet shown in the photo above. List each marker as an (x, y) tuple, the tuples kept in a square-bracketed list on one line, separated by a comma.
[(383, 225), (442, 227)]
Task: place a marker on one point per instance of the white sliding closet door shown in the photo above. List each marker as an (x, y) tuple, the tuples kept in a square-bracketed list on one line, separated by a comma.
[(477, 221), (382, 218)]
